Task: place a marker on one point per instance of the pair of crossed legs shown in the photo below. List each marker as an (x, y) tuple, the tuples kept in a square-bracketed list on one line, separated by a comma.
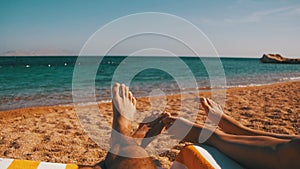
[(251, 148)]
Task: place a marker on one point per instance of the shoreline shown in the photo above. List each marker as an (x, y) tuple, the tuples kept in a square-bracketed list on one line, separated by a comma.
[(200, 90), (54, 134)]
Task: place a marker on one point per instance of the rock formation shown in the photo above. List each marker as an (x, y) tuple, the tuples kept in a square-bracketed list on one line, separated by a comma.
[(277, 58)]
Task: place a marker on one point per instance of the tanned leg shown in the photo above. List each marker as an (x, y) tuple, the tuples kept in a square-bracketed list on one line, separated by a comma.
[(249, 151), (121, 141), (260, 151), (230, 125)]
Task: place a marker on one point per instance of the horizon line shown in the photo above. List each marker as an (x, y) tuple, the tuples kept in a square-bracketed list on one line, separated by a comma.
[(220, 56)]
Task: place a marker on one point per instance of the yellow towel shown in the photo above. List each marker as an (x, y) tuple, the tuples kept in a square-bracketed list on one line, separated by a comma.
[(27, 164)]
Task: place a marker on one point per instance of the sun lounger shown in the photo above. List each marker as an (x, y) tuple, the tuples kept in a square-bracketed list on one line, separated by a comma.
[(6, 163), (203, 157)]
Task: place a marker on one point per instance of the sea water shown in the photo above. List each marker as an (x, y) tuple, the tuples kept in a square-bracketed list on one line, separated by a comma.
[(48, 80)]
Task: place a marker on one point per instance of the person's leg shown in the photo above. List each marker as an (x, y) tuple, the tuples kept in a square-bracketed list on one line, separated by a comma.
[(230, 125), (253, 151), (249, 151), (259, 151), (125, 149)]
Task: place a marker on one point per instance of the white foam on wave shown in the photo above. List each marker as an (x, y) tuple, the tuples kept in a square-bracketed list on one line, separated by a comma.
[(85, 103), (295, 78), (286, 79), (247, 85), (290, 79)]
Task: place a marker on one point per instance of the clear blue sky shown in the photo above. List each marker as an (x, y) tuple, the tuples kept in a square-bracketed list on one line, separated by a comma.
[(236, 27)]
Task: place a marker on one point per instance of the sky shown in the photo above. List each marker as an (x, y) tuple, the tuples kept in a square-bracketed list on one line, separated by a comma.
[(238, 28)]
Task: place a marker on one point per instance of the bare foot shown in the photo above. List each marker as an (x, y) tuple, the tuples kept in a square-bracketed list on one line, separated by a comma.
[(124, 107), (232, 126), (216, 114), (149, 129), (212, 109)]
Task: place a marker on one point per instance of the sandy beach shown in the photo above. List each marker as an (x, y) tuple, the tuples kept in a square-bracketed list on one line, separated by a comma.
[(54, 133)]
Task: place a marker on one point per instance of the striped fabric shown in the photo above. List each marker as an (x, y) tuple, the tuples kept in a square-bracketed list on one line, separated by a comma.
[(203, 157), (27, 164)]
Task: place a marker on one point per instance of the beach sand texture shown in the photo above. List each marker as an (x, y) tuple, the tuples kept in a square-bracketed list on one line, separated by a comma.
[(54, 134)]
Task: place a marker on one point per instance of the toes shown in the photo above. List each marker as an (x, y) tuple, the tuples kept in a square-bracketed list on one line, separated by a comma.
[(116, 90), (204, 104), (130, 96), (202, 99), (123, 91), (221, 108), (126, 92), (212, 103), (134, 101)]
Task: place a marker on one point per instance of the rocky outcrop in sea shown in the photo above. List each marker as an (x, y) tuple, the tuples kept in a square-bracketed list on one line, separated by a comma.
[(277, 58)]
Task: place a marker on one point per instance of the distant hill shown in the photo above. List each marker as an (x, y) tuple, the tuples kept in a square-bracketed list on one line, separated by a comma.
[(48, 52)]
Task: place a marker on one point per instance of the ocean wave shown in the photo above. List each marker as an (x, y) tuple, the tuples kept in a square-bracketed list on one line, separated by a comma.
[(295, 78)]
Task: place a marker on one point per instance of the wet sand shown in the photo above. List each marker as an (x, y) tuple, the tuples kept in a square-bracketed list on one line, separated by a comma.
[(55, 134)]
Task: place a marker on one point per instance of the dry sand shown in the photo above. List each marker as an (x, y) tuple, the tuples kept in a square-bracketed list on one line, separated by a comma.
[(54, 133)]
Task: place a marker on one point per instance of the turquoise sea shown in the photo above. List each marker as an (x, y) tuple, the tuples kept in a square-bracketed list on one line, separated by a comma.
[(47, 80)]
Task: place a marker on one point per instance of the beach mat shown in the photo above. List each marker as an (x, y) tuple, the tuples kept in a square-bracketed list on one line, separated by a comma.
[(203, 157), (6, 163)]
